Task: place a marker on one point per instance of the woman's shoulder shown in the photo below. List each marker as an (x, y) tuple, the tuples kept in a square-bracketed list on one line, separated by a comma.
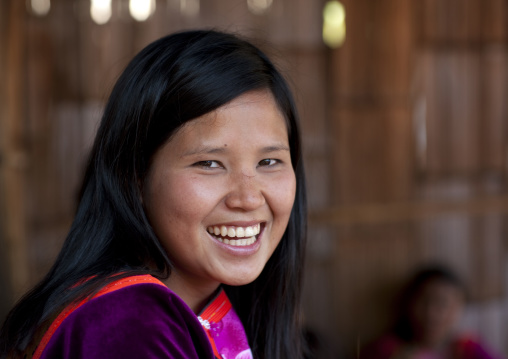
[(141, 319)]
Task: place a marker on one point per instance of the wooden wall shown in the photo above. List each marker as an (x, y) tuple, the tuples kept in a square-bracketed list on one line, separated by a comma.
[(404, 133), (13, 159), (417, 130)]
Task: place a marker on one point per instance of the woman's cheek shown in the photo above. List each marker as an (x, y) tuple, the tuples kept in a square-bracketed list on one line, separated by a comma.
[(283, 192), (195, 192)]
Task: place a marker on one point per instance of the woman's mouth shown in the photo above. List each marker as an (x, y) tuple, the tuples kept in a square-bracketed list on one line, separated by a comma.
[(235, 235)]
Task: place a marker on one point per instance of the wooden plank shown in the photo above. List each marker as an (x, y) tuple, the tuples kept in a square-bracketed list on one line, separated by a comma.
[(375, 213), (375, 60), (13, 165), (494, 14), (493, 109), (450, 21), (371, 154)]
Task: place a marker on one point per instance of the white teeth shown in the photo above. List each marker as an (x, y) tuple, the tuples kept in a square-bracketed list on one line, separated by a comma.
[(246, 235), (238, 242), (249, 232), (235, 232)]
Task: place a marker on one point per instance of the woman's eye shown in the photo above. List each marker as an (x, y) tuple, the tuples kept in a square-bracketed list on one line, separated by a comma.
[(208, 164), (268, 162)]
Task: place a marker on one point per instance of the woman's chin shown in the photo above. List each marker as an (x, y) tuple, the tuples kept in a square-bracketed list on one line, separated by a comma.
[(243, 279)]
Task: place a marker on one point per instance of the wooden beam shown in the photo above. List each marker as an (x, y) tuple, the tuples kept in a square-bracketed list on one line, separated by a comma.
[(377, 213)]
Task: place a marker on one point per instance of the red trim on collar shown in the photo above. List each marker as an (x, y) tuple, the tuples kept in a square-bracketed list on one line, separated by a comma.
[(217, 309), (111, 287), (213, 313)]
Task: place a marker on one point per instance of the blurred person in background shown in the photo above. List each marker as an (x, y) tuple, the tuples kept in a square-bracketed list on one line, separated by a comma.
[(426, 325)]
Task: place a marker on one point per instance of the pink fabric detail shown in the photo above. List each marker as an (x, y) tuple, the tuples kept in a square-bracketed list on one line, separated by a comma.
[(226, 332)]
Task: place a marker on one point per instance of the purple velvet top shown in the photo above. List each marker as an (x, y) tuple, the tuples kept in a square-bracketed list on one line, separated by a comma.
[(140, 321)]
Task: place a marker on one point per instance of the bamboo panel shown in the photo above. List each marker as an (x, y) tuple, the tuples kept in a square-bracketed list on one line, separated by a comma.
[(487, 264), (493, 20), (318, 282), (54, 185), (5, 279), (13, 153), (372, 154), (473, 246), (461, 21), (450, 21), (307, 70), (41, 198), (493, 109), (373, 213), (451, 91), (370, 263), (375, 61), (465, 111)]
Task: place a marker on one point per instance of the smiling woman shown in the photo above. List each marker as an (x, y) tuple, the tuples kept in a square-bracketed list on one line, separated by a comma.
[(189, 237), (214, 173)]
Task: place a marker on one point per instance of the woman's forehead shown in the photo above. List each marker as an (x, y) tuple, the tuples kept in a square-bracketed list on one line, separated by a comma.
[(259, 101)]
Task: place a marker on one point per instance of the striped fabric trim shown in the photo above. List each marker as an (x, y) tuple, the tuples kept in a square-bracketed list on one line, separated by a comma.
[(213, 313), (111, 287)]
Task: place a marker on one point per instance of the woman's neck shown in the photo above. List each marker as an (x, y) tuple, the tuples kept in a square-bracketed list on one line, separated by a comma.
[(195, 295)]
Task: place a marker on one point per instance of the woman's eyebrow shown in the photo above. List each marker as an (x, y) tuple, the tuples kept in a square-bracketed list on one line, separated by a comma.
[(275, 148), (204, 150)]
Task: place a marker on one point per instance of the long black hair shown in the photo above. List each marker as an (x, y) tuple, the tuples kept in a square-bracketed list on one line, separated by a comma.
[(173, 80)]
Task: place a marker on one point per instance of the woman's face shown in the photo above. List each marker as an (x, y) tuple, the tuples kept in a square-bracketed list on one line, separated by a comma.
[(219, 195), (435, 311)]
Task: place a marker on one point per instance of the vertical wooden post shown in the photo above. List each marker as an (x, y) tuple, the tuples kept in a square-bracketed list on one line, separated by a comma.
[(12, 150), (371, 161)]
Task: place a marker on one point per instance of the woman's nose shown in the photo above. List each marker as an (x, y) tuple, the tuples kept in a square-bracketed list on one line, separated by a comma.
[(245, 192)]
